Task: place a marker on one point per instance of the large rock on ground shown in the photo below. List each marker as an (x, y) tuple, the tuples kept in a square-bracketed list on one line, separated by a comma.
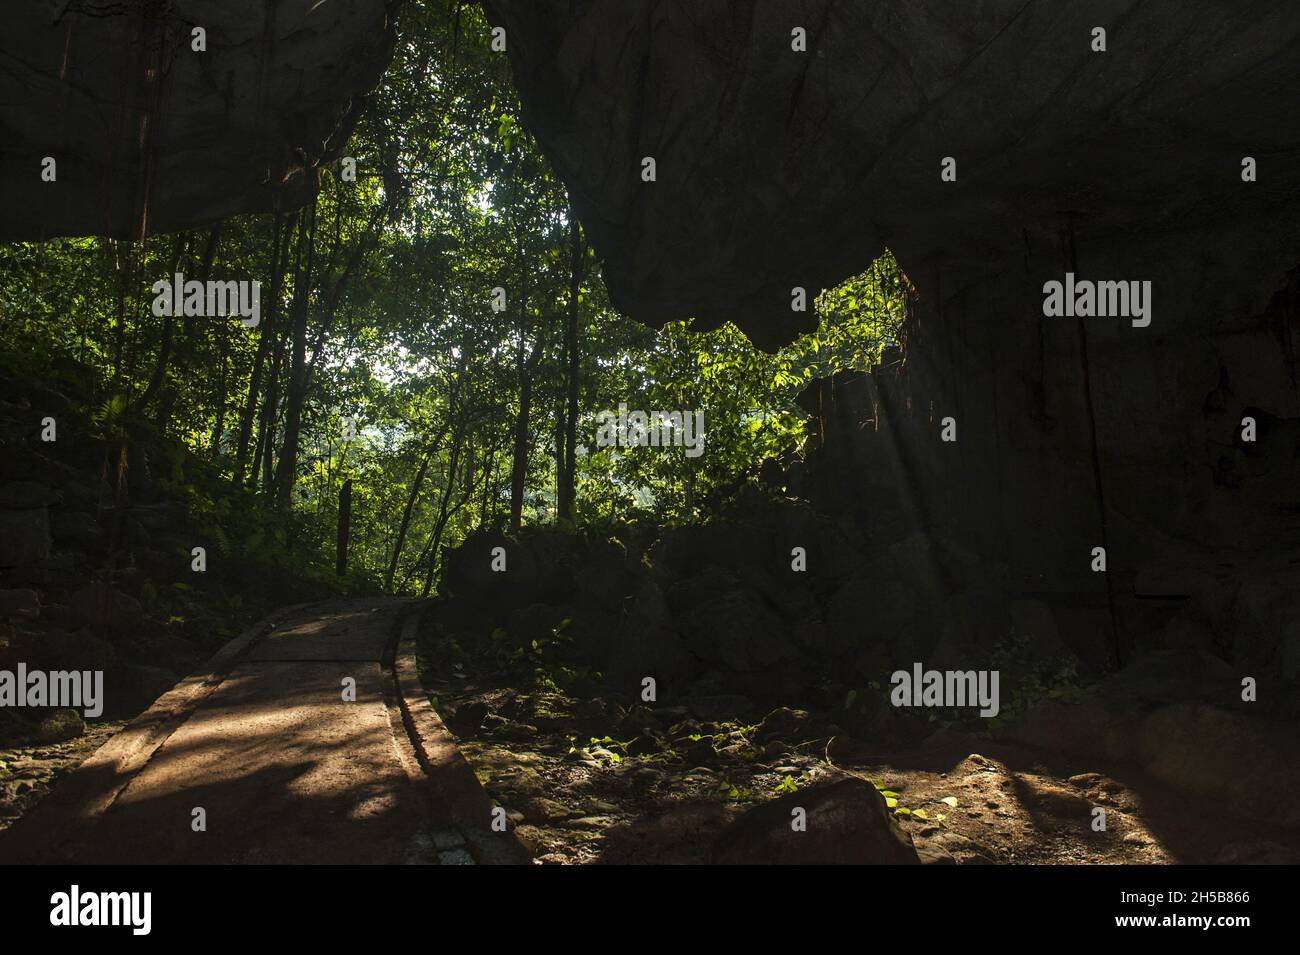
[(20, 603), (730, 627), (24, 536), (848, 824), (1178, 716), (540, 566), (57, 649), (648, 646), (105, 608), (61, 725)]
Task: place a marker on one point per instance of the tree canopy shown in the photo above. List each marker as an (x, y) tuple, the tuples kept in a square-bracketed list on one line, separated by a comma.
[(434, 335)]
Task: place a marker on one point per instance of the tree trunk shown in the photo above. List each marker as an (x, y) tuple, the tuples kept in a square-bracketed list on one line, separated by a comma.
[(186, 350), (265, 454), (487, 512), (165, 347), (406, 520), (345, 528), (566, 489), (263, 347), (519, 468), (205, 272), (219, 390), (119, 329), (435, 542), (287, 472)]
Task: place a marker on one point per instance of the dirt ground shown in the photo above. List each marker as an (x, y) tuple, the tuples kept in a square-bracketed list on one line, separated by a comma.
[(591, 781), (27, 773), (586, 778)]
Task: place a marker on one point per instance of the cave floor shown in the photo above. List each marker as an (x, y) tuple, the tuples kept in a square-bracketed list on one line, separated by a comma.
[(589, 779), (29, 772), (577, 790)]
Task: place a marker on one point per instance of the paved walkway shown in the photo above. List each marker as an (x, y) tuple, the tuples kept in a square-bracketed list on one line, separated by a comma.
[(283, 768)]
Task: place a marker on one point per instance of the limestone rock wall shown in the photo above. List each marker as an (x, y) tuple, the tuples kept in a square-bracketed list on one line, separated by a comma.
[(778, 168), (148, 133)]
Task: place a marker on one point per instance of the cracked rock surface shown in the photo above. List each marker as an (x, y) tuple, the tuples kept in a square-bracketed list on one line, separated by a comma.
[(148, 133), (778, 168)]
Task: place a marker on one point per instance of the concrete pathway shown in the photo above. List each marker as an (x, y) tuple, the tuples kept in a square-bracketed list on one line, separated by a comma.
[(282, 767)]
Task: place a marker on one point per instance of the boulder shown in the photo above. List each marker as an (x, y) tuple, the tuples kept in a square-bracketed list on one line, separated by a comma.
[(75, 527), (732, 628), (1259, 852), (468, 717), (1034, 621), (21, 603), (1176, 675), (847, 824), (648, 645), (719, 707), (868, 715), (783, 723), (536, 622), (24, 536), (871, 612), (604, 578), (1266, 606), (1179, 718), (27, 495), (1174, 576), (58, 649), (165, 649), (61, 725), (539, 568), (104, 608), (1246, 761)]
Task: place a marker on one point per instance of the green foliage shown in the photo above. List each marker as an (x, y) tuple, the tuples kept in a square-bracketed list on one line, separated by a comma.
[(747, 395), (604, 749), (392, 327), (1029, 683), (892, 801), (787, 785), (859, 319), (734, 793)]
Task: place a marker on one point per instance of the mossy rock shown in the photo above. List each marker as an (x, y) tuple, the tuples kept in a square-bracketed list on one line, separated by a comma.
[(61, 725)]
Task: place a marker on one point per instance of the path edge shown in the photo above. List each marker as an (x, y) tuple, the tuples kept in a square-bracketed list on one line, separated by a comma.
[(80, 799), (454, 783)]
